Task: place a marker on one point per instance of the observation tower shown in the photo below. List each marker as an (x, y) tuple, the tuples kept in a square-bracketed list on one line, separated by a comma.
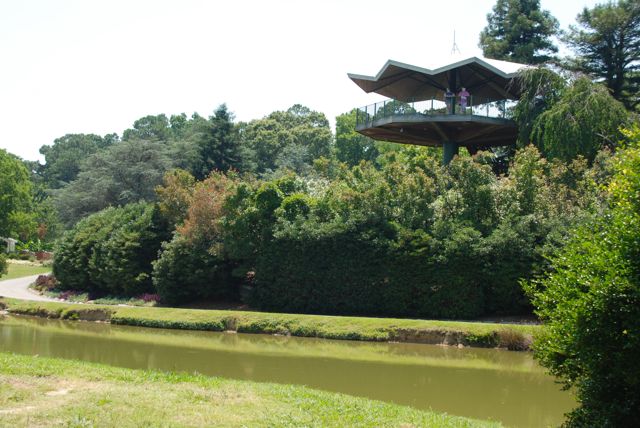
[(421, 111)]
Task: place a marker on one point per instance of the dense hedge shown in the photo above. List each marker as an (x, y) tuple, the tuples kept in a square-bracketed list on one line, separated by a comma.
[(406, 238), (413, 239), (350, 273), (110, 252), (186, 272)]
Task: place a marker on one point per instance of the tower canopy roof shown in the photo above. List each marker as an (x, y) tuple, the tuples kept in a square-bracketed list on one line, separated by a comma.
[(486, 78)]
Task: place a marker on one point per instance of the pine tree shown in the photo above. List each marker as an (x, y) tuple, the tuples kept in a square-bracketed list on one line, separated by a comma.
[(518, 31)]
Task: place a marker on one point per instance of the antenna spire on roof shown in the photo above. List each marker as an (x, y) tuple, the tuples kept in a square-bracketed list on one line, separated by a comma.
[(454, 48)]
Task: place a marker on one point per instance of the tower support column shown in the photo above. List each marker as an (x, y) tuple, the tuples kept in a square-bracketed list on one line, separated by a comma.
[(450, 149)]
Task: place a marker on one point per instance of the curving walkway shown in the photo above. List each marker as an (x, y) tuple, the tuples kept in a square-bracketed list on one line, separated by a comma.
[(18, 288)]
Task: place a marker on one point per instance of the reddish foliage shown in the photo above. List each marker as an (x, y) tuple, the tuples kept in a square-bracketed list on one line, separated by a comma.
[(207, 207), (46, 282)]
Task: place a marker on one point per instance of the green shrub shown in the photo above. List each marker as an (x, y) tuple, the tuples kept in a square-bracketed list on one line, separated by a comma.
[(413, 239), (186, 271), (110, 252), (590, 301), (3, 264)]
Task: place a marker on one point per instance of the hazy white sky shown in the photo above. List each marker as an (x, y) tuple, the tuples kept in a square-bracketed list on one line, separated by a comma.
[(96, 66)]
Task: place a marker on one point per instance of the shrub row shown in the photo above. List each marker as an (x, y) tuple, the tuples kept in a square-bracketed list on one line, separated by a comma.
[(408, 238), (110, 252)]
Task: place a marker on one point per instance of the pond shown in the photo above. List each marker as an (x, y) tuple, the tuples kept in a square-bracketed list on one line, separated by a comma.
[(480, 383)]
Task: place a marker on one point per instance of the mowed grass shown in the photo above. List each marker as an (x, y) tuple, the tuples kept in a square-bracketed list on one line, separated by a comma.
[(510, 336), (19, 270), (48, 392)]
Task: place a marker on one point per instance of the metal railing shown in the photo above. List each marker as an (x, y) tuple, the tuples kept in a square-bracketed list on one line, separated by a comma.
[(365, 116)]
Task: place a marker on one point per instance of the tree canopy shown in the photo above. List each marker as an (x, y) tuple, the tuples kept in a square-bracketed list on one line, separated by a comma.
[(217, 144), (64, 157), (126, 172), (16, 218), (566, 118), (585, 119), (607, 43), (286, 139), (519, 31), (352, 147)]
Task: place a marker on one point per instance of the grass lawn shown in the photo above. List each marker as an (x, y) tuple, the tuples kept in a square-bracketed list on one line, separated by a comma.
[(511, 336), (18, 270), (51, 392)]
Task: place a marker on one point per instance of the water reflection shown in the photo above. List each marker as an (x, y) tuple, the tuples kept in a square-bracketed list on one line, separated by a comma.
[(480, 383)]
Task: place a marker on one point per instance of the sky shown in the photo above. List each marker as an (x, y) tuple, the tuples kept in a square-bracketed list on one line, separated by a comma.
[(97, 66)]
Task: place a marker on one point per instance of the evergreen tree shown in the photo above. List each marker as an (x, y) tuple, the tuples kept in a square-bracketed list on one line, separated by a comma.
[(218, 144), (518, 31), (607, 44)]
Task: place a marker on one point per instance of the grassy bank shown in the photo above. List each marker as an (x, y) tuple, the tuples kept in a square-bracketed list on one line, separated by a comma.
[(510, 336), (50, 392), (19, 270)]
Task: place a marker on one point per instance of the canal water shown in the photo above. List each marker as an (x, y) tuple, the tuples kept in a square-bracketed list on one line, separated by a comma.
[(479, 383)]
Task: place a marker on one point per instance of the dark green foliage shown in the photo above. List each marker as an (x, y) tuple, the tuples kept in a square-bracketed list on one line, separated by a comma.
[(607, 42), (186, 271), (411, 239), (193, 265), (110, 252), (590, 302), (218, 144), (519, 31)]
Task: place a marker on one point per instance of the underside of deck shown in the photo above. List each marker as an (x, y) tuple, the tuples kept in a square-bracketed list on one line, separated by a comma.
[(473, 132)]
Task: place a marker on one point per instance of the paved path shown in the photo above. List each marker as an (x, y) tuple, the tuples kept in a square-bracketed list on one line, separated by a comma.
[(19, 289)]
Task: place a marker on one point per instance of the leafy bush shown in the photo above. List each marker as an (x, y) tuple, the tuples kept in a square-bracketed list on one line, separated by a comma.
[(110, 252), (186, 272), (46, 283), (3, 264), (590, 301), (412, 239), (192, 266)]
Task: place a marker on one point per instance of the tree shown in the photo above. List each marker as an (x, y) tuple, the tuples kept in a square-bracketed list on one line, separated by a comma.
[(607, 44), (352, 147), (175, 195), (541, 89), (110, 252), (289, 139), (193, 266), (64, 157), (15, 197), (218, 144), (126, 172), (590, 302), (518, 31), (153, 128), (585, 119)]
